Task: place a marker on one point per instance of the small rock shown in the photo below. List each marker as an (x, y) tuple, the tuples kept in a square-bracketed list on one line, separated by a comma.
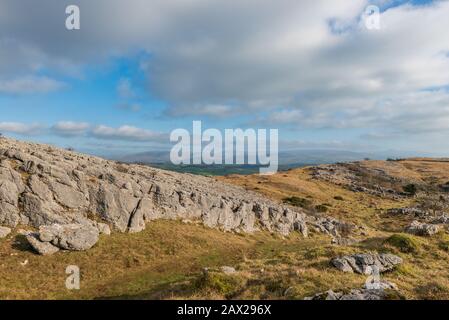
[(43, 248), (24, 263), (227, 270), (4, 231)]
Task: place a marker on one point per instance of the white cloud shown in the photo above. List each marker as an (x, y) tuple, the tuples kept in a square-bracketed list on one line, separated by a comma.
[(29, 84), (276, 56), (70, 128), (21, 128), (215, 110), (125, 132)]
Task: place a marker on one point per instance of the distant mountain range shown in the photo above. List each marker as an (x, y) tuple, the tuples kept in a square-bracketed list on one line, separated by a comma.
[(302, 156), (287, 159)]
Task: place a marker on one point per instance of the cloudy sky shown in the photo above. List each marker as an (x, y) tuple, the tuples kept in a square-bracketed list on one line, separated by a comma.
[(138, 69)]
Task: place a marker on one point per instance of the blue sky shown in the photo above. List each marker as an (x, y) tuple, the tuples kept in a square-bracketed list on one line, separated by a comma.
[(134, 72)]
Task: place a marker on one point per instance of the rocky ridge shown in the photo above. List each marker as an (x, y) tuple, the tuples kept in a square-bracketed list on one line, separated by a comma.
[(43, 186), (356, 178)]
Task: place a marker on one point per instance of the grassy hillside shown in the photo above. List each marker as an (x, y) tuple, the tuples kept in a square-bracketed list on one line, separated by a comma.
[(166, 260)]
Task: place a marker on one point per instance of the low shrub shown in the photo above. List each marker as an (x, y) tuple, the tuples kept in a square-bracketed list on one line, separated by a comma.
[(298, 202), (404, 243)]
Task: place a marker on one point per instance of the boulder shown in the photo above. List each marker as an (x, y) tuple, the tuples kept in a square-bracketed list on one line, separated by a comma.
[(74, 237), (366, 263)]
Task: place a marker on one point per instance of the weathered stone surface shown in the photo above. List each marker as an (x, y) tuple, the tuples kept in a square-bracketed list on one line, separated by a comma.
[(68, 196), (9, 192), (4, 231), (366, 263), (39, 188), (422, 229), (43, 248), (41, 212), (103, 228), (9, 214)]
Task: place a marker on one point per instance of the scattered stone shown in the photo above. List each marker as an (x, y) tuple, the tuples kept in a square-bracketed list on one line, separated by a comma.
[(24, 263), (366, 263), (422, 229), (4, 231)]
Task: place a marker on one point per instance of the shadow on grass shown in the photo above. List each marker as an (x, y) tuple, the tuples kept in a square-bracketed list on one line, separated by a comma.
[(20, 243), (162, 291)]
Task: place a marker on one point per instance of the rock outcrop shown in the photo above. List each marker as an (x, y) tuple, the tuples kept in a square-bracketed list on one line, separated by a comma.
[(417, 212), (46, 186), (366, 263), (422, 229), (357, 294), (355, 177)]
